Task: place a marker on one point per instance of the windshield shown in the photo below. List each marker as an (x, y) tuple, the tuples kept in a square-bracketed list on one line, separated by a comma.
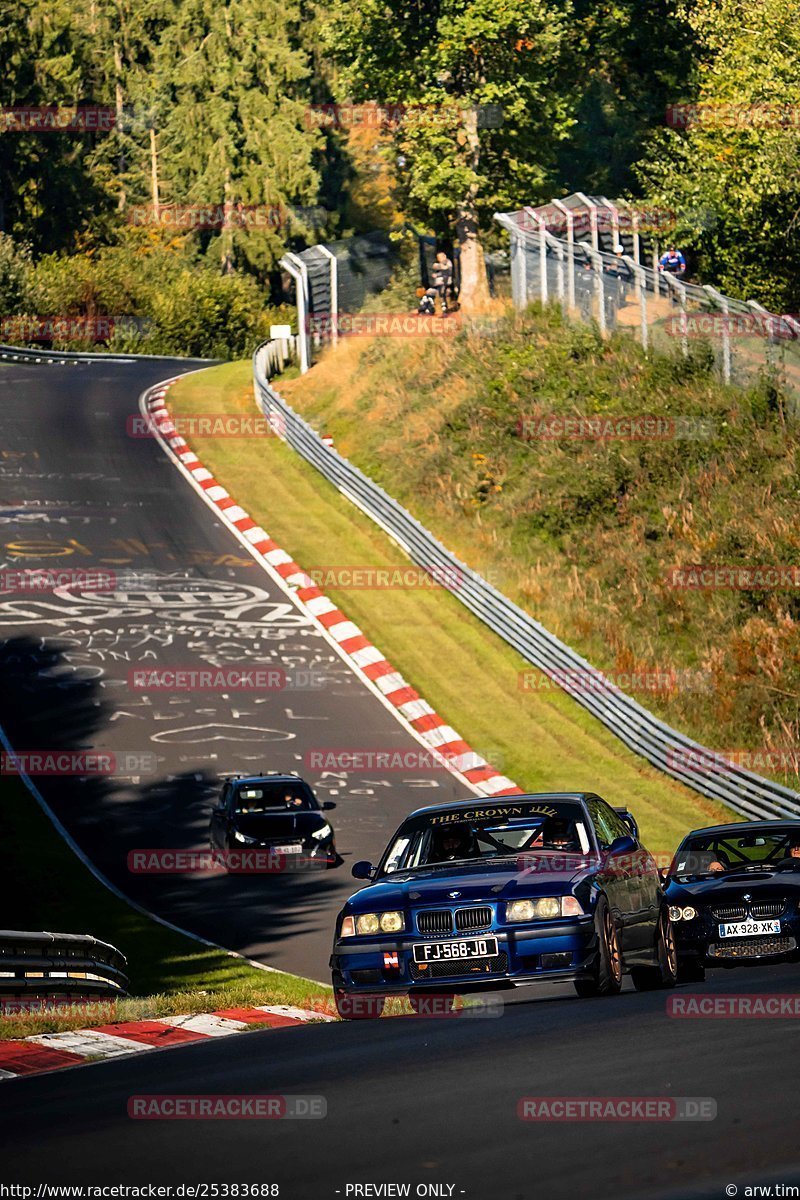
[(487, 832), (273, 797), (722, 854)]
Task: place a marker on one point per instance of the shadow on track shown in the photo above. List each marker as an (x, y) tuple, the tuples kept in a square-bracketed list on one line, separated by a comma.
[(46, 704)]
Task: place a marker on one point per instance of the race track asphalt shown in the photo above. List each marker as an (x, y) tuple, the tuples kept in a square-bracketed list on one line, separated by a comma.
[(431, 1104), (420, 1101), (78, 492)]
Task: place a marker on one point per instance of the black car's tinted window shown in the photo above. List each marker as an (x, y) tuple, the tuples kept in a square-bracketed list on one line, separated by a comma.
[(720, 853), (272, 797)]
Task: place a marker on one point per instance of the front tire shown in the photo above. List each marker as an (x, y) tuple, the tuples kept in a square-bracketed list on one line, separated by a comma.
[(606, 977), (351, 1006), (665, 973)]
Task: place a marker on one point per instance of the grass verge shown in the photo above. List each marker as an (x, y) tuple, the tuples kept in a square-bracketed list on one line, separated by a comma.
[(542, 740), (169, 973), (597, 531)]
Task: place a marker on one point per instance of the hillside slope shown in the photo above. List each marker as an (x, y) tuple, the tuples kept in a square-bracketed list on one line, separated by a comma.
[(590, 534)]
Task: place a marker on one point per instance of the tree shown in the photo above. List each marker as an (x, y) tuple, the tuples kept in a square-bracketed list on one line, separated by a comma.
[(233, 131), (476, 117), (47, 192), (731, 174), (625, 62)]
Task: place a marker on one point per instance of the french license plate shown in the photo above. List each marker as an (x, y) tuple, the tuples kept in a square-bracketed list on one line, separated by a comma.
[(748, 928), (426, 952), (291, 848)]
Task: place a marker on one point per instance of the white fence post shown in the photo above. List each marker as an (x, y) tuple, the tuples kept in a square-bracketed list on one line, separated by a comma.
[(722, 303), (297, 269)]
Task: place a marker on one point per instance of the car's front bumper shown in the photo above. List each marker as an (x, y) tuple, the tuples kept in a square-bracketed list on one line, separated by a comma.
[(700, 941), (268, 858), (553, 951)]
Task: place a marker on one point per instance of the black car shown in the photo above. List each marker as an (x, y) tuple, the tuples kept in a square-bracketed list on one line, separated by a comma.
[(503, 892), (734, 895), (271, 822)]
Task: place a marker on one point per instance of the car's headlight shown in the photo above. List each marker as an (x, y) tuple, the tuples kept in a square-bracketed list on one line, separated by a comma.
[(392, 922), (348, 927), (322, 833), (241, 837), (682, 914), (544, 909), (371, 923)]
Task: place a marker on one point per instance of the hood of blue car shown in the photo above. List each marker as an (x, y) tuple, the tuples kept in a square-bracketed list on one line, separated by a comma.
[(465, 885)]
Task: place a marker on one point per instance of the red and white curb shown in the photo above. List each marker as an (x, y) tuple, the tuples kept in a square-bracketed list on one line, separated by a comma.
[(361, 655), (74, 1048)]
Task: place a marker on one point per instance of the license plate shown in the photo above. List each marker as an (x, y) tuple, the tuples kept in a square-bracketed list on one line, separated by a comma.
[(748, 928), (292, 848), (426, 952)]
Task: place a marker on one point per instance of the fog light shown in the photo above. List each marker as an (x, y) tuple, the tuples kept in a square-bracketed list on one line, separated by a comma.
[(551, 962)]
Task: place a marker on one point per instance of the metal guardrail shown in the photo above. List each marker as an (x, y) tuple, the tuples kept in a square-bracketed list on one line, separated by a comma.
[(75, 357), (59, 963), (665, 748)]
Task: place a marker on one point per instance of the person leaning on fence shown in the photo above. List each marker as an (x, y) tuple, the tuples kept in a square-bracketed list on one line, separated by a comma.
[(442, 272), (673, 263), (620, 273)]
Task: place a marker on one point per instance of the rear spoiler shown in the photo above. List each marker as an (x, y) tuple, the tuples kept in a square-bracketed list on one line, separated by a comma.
[(630, 821)]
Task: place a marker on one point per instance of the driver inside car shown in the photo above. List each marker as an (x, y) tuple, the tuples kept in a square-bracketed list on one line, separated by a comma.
[(558, 835), (719, 863), (454, 842), (792, 860)]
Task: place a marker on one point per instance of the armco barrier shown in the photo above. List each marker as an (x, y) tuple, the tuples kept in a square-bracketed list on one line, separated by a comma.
[(59, 964), (745, 792), (67, 358)]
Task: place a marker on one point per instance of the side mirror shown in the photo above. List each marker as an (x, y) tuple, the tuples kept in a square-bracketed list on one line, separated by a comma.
[(663, 875), (630, 821), (622, 845), (362, 870), (328, 805)]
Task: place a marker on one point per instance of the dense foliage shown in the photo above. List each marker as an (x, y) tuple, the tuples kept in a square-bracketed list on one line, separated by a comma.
[(503, 103)]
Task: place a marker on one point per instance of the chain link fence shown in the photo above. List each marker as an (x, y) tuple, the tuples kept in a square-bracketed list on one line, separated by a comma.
[(601, 267), (335, 279)]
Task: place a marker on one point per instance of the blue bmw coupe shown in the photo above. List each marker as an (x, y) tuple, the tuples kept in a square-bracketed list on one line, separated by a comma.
[(503, 892)]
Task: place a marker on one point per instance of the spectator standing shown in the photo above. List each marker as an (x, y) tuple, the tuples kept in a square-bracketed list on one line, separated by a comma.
[(442, 273)]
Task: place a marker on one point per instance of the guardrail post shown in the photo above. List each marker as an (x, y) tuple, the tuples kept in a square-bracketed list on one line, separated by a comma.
[(641, 290), (558, 247), (722, 302), (570, 251), (637, 246), (519, 282), (680, 289), (596, 259), (542, 227)]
